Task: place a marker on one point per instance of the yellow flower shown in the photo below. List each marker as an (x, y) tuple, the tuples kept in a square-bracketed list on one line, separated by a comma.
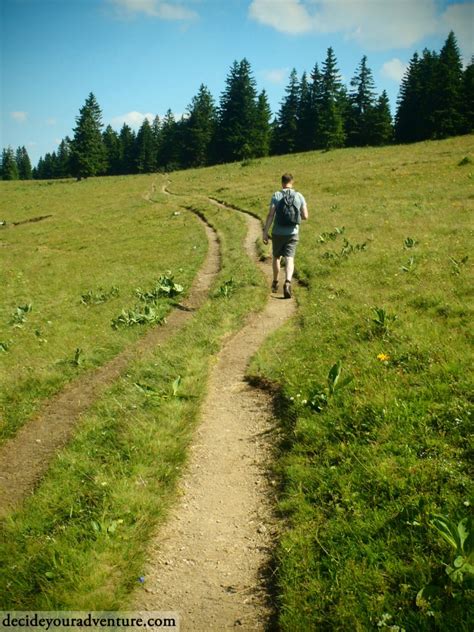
[(383, 357)]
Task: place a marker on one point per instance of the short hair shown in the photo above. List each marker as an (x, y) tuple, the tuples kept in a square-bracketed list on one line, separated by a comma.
[(286, 178)]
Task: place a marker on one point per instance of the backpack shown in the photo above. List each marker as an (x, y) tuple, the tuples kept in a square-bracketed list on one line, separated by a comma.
[(287, 211)]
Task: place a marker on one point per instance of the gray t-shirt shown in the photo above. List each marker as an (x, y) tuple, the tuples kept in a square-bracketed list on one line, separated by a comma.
[(286, 230)]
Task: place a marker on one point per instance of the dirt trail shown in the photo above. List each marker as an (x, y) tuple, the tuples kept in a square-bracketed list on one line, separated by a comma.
[(25, 457), (208, 561)]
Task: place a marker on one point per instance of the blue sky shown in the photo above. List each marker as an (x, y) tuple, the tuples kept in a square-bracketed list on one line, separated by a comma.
[(140, 57)]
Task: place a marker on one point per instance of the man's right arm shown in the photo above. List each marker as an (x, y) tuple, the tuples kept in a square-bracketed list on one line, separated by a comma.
[(268, 223)]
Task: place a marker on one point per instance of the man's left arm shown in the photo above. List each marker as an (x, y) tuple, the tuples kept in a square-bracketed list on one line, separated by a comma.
[(304, 209)]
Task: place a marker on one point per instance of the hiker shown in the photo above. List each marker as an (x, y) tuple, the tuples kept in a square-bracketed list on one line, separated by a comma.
[(287, 208)]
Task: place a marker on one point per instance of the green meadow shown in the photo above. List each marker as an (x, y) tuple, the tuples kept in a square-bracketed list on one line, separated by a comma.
[(372, 380), (77, 270)]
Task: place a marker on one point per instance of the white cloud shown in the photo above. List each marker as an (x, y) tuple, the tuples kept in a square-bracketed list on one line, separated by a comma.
[(50, 121), (375, 24), (460, 19), (290, 16), (153, 8), (19, 117), (393, 69), (134, 119), (275, 75)]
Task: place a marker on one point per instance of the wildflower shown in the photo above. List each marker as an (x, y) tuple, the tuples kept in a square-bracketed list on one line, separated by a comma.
[(141, 579), (383, 357)]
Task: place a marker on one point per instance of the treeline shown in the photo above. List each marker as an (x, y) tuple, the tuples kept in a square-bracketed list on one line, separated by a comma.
[(317, 112)]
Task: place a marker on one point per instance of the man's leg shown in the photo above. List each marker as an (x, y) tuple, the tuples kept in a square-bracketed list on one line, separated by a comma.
[(289, 267), (276, 268)]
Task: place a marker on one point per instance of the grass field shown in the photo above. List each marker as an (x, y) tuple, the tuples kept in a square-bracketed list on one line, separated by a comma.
[(364, 462), (363, 469), (102, 235)]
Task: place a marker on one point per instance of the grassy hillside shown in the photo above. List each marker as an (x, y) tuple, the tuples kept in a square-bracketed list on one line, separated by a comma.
[(103, 240), (363, 469), (364, 462), (80, 541)]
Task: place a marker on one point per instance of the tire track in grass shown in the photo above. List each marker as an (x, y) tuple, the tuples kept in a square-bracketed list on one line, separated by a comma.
[(210, 560), (25, 457)]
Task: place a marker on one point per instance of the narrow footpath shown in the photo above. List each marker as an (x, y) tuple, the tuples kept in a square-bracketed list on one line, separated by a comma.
[(209, 560)]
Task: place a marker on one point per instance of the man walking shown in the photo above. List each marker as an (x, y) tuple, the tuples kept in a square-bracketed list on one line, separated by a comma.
[(287, 209)]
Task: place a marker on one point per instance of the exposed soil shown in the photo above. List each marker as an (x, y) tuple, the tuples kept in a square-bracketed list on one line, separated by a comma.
[(209, 560), (31, 220), (26, 457)]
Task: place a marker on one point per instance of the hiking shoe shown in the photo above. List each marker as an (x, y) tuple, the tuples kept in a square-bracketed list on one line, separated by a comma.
[(287, 289), (275, 286)]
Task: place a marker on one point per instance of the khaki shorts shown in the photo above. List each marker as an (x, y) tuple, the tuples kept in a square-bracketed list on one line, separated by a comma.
[(284, 245)]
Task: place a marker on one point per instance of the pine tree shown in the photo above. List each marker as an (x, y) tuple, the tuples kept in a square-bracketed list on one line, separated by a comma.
[(448, 118), (146, 155), (237, 114), (9, 165), (409, 98), (88, 158), (23, 163), (428, 70), (127, 150), (49, 166), (381, 132), (361, 106), (305, 116), (263, 128), (168, 157), (468, 98), (286, 134), (38, 170), (112, 150), (64, 158), (156, 129), (316, 106), (199, 130), (331, 127)]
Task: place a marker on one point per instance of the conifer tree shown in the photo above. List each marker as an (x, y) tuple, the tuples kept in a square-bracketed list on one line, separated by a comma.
[(331, 126), (23, 163), (286, 133), (127, 150), (169, 149), (428, 70), (408, 110), (468, 98), (316, 105), (64, 158), (49, 166), (305, 116), (156, 129), (381, 132), (448, 118), (112, 149), (145, 151), (263, 128), (237, 114), (199, 130), (9, 165), (88, 156), (360, 106)]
